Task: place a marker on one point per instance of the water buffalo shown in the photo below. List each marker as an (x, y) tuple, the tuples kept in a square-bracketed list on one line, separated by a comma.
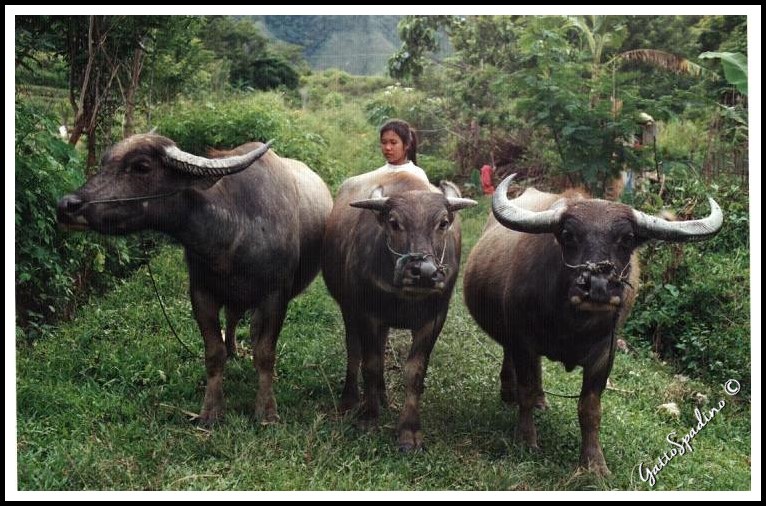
[(559, 283), (251, 224), (390, 259)]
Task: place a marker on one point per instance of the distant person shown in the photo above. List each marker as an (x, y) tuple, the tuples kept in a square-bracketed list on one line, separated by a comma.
[(485, 174), (399, 145)]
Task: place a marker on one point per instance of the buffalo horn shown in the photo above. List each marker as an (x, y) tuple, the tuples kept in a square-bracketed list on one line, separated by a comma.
[(200, 166), (652, 227), (523, 220)]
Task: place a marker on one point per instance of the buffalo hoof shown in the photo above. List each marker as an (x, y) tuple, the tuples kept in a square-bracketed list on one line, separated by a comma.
[(266, 413), (407, 448), (208, 418), (526, 437), (509, 397), (410, 441), (594, 463)]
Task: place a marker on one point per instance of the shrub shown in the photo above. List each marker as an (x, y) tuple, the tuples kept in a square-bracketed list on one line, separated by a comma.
[(196, 127), (680, 140), (54, 269), (694, 301)]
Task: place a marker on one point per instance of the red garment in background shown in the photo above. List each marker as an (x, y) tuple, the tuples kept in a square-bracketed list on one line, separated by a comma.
[(486, 180)]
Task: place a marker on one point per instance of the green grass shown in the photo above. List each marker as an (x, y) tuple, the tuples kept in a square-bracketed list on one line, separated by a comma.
[(102, 403)]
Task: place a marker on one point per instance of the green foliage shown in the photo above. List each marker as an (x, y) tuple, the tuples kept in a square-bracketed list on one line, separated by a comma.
[(418, 34), (437, 168), (181, 65), (722, 33), (734, 68), (666, 33), (423, 112), (694, 300), (339, 84), (250, 117), (251, 62), (589, 137), (679, 140), (54, 269)]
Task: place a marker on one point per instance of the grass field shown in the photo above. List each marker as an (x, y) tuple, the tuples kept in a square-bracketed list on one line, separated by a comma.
[(103, 404)]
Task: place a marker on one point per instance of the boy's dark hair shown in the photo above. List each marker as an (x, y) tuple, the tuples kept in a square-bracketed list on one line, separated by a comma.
[(406, 133)]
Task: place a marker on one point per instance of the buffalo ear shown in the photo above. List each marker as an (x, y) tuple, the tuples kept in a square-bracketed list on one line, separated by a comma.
[(449, 189), (454, 200), (375, 202)]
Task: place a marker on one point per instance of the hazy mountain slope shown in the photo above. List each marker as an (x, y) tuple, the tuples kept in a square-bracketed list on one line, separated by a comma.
[(359, 45)]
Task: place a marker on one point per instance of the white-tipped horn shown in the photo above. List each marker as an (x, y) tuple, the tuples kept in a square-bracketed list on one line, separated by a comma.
[(200, 166), (523, 220), (652, 227)]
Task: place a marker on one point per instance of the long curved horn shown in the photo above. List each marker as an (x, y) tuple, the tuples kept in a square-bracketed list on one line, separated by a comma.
[(376, 201), (200, 166), (652, 227), (456, 204), (523, 220)]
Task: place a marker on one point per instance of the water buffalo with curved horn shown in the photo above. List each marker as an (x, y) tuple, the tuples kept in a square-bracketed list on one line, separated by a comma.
[(555, 275), (390, 259), (251, 224)]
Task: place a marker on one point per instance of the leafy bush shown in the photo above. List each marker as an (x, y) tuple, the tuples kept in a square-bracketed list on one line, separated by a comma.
[(257, 116), (425, 113), (680, 140), (694, 301), (438, 169), (331, 81), (54, 269)]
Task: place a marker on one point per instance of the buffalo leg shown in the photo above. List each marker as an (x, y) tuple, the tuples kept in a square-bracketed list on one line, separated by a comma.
[(206, 311), (423, 340), (350, 397), (540, 402), (268, 322), (373, 341), (232, 318), (527, 390), (508, 381), (507, 378), (595, 374)]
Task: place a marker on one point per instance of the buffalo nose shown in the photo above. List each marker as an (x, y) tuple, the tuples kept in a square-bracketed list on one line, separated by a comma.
[(69, 204), (422, 271), (598, 289), (427, 270)]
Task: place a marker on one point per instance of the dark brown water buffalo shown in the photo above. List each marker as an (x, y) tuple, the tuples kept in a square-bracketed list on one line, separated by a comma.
[(559, 283), (251, 224), (390, 259)]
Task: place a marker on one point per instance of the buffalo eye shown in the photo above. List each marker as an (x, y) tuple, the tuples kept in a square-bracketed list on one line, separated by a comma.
[(444, 224), (567, 238), (142, 166), (627, 241), (394, 224)]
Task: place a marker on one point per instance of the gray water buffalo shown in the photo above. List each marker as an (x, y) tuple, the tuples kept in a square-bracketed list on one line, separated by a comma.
[(251, 224), (390, 259), (556, 275)]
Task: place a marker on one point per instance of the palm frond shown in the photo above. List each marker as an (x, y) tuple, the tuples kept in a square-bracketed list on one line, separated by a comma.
[(663, 60)]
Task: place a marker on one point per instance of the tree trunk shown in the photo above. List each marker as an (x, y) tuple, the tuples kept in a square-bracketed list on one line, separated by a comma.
[(130, 94), (81, 117)]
